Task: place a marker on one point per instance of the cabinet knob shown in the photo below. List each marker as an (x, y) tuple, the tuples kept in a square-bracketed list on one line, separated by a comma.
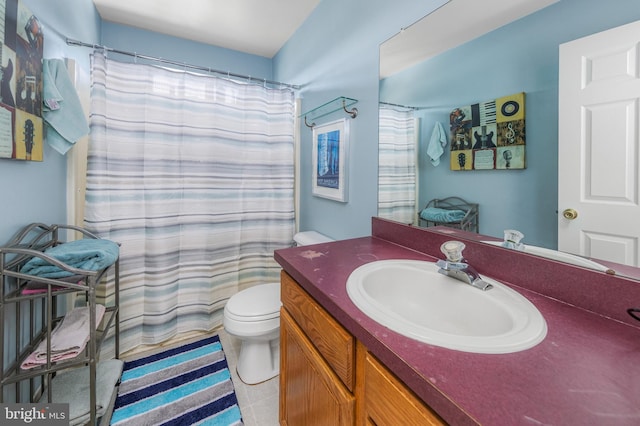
[(570, 214)]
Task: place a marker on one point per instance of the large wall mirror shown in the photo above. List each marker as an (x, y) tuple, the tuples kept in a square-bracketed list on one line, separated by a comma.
[(435, 66)]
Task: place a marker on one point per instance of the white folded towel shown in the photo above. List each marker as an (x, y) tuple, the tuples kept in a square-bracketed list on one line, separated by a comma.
[(68, 338), (72, 386), (438, 141)]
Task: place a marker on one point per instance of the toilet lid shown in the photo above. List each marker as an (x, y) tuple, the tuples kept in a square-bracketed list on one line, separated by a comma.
[(260, 302), (307, 238)]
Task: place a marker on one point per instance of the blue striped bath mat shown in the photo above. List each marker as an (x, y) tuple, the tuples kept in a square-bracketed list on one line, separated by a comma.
[(189, 385)]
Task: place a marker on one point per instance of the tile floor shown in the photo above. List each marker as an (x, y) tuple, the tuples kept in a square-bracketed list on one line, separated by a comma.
[(258, 403)]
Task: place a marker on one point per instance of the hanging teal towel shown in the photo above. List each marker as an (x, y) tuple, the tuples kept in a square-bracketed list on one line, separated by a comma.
[(437, 143), (87, 254), (435, 214), (61, 110)]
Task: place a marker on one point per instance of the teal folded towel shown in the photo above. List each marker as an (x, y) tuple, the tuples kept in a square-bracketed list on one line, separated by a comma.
[(88, 254), (435, 214)]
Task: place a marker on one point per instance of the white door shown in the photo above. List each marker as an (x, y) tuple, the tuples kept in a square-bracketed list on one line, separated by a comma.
[(598, 174)]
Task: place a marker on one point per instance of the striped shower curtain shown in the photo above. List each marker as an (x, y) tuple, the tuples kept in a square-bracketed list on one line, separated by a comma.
[(397, 172), (193, 175)]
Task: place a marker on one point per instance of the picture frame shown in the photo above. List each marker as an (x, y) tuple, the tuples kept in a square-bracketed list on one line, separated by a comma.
[(489, 135), (330, 154), (21, 82)]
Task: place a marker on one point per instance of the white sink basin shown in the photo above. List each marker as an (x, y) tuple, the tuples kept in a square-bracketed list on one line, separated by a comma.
[(413, 299)]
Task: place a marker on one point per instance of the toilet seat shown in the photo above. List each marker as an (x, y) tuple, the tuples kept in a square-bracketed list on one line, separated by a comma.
[(257, 303)]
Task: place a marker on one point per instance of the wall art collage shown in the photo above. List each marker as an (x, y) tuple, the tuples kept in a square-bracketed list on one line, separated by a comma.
[(21, 39), (489, 135)]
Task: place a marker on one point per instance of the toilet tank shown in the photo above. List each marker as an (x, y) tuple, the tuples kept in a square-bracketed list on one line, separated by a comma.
[(310, 237)]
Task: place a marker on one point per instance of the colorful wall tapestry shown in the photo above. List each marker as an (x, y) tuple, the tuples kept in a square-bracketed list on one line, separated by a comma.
[(21, 43), (489, 135)]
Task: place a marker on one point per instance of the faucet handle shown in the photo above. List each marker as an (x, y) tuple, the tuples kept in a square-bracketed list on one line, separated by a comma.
[(512, 239), (453, 250)]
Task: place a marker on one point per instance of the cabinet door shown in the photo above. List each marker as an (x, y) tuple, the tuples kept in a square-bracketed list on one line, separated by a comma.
[(387, 402), (311, 393), (335, 344)]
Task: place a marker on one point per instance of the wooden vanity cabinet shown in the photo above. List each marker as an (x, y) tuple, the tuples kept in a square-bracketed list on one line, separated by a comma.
[(310, 393), (316, 363), (328, 378), (388, 402)]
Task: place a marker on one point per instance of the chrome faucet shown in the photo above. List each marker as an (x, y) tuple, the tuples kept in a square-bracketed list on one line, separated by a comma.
[(456, 267)]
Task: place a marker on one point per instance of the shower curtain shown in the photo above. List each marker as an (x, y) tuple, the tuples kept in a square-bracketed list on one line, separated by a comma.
[(193, 175), (397, 174)]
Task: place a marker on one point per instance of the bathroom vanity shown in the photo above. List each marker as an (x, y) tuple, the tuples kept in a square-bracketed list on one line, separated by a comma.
[(320, 358), (340, 367)]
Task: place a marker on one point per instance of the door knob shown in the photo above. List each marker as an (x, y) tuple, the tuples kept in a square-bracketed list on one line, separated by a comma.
[(570, 214)]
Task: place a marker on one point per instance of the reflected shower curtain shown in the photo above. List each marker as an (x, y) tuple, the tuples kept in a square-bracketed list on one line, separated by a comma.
[(397, 177), (194, 176)]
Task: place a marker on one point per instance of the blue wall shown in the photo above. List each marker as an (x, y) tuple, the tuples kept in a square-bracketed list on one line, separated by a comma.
[(335, 53), (522, 56), (36, 191), (180, 50)]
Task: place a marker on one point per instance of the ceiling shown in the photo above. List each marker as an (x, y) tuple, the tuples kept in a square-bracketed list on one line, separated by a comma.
[(258, 27), (453, 24), (262, 27)]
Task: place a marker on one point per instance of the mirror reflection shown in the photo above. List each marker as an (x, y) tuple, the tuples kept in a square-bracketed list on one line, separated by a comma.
[(416, 99)]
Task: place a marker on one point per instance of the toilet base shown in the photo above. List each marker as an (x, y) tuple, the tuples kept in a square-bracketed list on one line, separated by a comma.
[(258, 360)]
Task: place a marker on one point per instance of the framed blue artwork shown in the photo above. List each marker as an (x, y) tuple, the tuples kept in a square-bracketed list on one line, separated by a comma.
[(330, 160)]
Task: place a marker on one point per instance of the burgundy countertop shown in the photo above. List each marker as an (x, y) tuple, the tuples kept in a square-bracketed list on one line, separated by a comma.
[(585, 372)]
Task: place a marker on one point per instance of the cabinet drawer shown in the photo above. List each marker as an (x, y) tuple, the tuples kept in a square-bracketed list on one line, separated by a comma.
[(387, 401), (331, 340)]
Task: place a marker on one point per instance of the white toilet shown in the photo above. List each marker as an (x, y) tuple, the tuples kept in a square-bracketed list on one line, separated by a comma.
[(253, 316)]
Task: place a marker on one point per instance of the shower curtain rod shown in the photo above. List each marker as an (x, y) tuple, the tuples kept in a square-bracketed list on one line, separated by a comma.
[(72, 42), (401, 106)]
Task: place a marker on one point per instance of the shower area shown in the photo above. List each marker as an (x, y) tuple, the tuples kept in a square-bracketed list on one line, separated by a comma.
[(399, 130), (192, 172)]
